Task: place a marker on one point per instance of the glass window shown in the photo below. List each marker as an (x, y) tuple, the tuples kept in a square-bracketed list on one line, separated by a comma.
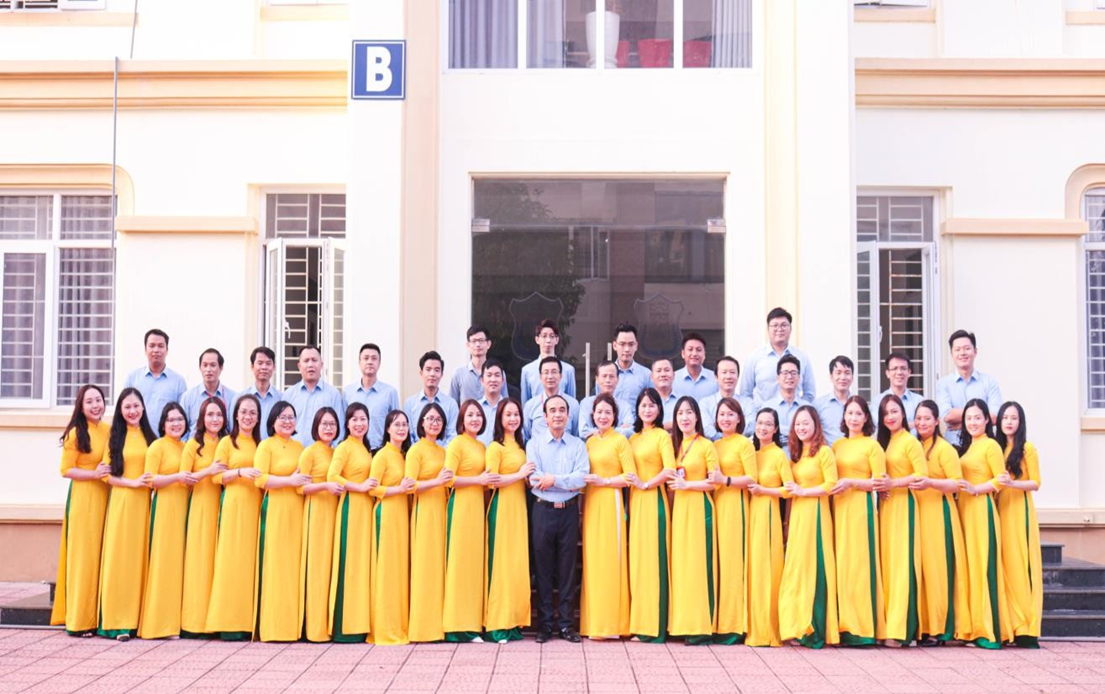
[(560, 33), (483, 33), (639, 33), (590, 254), (1095, 299), (717, 33)]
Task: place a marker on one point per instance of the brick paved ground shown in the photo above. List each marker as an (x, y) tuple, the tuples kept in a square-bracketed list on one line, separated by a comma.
[(51, 661)]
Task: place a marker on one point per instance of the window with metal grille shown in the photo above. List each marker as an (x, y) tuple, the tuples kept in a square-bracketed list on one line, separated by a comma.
[(895, 285), (305, 280), (1094, 210), (56, 297)]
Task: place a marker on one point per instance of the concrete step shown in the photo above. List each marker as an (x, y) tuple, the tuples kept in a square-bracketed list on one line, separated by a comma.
[(1074, 573), (1074, 598), (1052, 552), (30, 612), (1073, 623)]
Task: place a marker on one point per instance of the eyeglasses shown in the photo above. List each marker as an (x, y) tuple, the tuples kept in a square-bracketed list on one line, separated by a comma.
[(788, 374), (432, 420), (625, 345), (478, 341), (321, 425), (286, 418), (779, 326), (175, 420)]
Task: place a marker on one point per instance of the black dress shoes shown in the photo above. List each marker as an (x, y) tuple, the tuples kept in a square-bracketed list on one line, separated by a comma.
[(569, 635), (543, 635)]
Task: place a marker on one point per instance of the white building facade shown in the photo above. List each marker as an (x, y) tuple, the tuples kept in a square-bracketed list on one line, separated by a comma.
[(889, 174)]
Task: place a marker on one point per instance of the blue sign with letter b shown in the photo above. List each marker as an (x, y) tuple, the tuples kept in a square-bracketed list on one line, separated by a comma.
[(379, 70)]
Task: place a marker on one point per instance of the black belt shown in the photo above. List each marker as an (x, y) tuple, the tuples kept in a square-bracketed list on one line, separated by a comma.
[(558, 504)]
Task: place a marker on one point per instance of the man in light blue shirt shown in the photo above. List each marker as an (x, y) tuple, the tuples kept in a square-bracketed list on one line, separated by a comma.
[(533, 412), (694, 379), (158, 384), (786, 402), (467, 383), (493, 381), (377, 396), (632, 377), (830, 406), (899, 369), (431, 368), (759, 380), (954, 391), (547, 337), (211, 370), (728, 373), (262, 361), (310, 395), (560, 465), (662, 376), (606, 379)]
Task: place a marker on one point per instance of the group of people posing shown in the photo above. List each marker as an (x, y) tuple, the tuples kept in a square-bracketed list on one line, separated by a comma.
[(714, 506)]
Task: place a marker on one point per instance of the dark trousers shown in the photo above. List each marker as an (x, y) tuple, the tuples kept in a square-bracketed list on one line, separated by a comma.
[(555, 548)]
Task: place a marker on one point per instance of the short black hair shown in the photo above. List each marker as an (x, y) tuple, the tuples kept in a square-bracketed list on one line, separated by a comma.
[(305, 348), (692, 335), (951, 340), (476, 329), (788, 359), (261, 350), (547, 323), (557, 396), (549, 360), (660, 359), (369, 345), (430, 356), (155, 331), (604, 362), (900, 355), (728, 358), (779, 312), (839, 359), (217, 353), (624, 328), (492, 364)]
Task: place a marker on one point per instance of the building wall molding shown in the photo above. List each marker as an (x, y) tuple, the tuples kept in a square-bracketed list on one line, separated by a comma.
[(964, 226), (68, 19), (1081, 180), (65, 84), (1085, 18), (918, 15), (185, 225), (68, 177), (304, 13), (980, 82), (31, 513)]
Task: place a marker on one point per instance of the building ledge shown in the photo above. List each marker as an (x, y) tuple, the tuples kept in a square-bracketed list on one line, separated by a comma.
[(1071, 517), (67, 19), (28, 419), (304, 13), (186, 225), (1086, 18), (963, 226), (911, 15)]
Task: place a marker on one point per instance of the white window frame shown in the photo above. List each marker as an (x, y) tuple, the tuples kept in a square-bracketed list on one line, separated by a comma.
[(932, 290), (51, 248), (522, 14), (51, 5), (272, 254), (1084, 298)]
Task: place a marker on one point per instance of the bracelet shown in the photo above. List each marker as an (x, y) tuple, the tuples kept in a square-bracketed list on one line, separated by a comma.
[(728, 480)]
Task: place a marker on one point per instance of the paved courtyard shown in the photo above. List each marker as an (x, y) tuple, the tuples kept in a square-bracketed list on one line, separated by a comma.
[(51, 661)]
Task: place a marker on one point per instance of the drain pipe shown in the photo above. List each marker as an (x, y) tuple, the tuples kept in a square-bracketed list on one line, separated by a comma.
[(114, 157)]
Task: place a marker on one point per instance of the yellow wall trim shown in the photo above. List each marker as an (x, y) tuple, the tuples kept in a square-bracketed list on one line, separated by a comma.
[(963, 226), (1081, 180), (918, 15), (1093, 422), (31, 513), (1071, 517), (186, 225), (67, 84), (68, 177), (980, 82), (1075, 17), (304, 13), (67, 19)]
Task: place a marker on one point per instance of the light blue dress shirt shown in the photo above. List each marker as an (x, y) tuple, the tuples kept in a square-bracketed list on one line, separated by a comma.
[(760, 382), (631, 382), (669, 407), (698, 388), (414, 405), (307, 403), (831, 411), (910, 399), (379, 399), (953, 392), (564, 458), (786, 412), (194, 397), (531, 384), (623, 426), (533, 416), (467, 384), (157, 391), (489, 418), (708, 406), (268, 401)]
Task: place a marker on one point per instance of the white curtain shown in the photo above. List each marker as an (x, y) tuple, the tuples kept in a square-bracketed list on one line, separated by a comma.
[(732, 33), (545, 33), (483, 33)]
